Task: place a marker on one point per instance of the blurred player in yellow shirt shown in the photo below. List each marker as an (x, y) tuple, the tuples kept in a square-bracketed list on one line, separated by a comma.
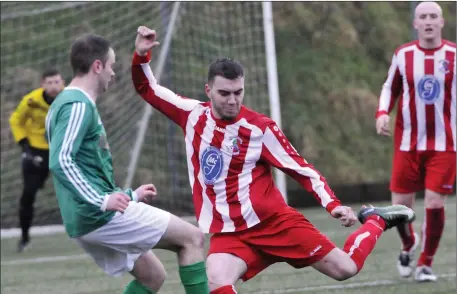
[(28, 127)]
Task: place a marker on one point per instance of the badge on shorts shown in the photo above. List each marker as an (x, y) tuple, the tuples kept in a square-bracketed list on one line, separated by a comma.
[(211, 164), (428, 89)]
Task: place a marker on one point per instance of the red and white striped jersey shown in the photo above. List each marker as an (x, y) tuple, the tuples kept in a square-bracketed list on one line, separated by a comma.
[(425, 81), (229, 163)]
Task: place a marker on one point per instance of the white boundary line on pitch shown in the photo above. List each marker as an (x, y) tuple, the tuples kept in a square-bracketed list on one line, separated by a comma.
[(34, 231), (347, 286), (44, 259), (290, 290)]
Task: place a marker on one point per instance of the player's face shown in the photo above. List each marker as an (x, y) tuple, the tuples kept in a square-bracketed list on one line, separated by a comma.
[(226, 96), (53, 85), (428, 21), (107, 72)]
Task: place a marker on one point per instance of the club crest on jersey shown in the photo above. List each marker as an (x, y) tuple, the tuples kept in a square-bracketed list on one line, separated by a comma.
[(235, 145), (428, 89), (444, 66), (211, 164)]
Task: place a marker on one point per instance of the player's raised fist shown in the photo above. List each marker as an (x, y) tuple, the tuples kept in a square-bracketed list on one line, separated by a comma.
[(145, 40)]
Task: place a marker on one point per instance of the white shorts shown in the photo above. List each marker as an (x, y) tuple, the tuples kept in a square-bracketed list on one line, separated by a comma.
[(117, 245)]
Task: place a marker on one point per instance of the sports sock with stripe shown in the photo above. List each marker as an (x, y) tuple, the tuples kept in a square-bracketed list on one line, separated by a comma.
[(360, 243)]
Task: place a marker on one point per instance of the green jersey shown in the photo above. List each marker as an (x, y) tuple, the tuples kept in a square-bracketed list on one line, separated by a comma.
[(80, 162)]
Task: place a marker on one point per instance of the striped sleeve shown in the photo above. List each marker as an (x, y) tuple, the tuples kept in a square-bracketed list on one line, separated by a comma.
[(175, 107), (278, 152), (66, 133), (391, 89)]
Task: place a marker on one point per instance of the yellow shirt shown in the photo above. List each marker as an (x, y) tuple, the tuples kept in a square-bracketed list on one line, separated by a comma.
[(28, 120)]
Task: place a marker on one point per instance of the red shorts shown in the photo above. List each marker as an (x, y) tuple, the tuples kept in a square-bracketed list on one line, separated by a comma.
[(413, 171), (285, 237)]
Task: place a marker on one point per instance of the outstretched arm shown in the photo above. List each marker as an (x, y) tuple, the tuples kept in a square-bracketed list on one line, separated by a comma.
[(175, 107), (278, 152)]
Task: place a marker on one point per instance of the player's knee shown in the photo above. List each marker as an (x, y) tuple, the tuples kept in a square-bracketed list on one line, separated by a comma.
[(434, 199), (153, 280), (216, 279), (434, 205), (149, 271), (161, 277), (196, 241), (200, 239), (344, 271), (156, 283), (224, 269), (406, 199)]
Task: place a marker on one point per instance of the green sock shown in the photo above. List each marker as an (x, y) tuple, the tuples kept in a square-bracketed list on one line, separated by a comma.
[(135, 287), (194, 279)]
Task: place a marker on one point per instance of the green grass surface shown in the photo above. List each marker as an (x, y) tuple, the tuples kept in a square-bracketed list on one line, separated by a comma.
[(54, 264)]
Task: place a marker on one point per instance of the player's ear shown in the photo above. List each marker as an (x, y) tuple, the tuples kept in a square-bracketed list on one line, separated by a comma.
[(414, 24), (207, 90), (97, 66)]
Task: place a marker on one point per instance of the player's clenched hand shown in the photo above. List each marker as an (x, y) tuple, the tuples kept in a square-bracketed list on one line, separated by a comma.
[(117, 202), (146, 192), (382, 125), (145, 40), (345, 214)]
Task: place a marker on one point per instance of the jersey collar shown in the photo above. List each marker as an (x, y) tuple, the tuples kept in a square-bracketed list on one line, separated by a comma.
[(84, 92)]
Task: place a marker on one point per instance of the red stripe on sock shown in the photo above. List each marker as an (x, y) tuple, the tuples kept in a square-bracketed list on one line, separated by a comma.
[(431, 234)]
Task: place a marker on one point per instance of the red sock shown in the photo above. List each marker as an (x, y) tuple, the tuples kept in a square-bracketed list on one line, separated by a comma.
[(432, 230), (360, 243), (406, 233), (228, 289)]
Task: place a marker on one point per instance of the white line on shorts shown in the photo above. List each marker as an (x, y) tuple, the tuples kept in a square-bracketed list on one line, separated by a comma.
[(345, 286)]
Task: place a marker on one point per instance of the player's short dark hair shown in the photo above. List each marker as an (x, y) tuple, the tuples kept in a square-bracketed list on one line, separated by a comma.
[(85, 50), (225, 67), (50, 72)]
